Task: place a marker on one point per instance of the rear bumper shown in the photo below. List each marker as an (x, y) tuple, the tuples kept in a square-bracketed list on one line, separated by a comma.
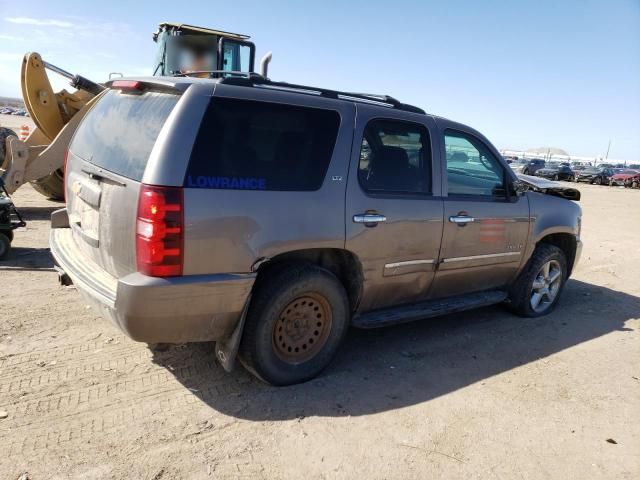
[(156, 310)]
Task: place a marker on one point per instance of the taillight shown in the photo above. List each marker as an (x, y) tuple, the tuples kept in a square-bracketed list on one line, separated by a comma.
[(160, 231), (64, 174)]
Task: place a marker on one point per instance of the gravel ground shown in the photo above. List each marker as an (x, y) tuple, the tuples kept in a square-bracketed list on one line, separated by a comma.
[(476, 395), (14, 122)]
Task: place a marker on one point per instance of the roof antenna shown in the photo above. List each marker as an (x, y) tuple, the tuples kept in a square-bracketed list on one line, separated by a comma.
[(264, 64)]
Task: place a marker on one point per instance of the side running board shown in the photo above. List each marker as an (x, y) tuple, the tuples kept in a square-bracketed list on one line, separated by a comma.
[(431, 308)]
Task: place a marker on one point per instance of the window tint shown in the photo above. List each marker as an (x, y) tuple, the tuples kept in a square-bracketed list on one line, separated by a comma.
[(262, 146), (395, 157), (471, 167), (119, 132)]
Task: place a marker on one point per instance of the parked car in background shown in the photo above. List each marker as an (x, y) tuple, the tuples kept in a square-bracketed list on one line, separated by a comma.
[(556, 172), (621, 175), (528, 166), (632, 181), (597, 175)]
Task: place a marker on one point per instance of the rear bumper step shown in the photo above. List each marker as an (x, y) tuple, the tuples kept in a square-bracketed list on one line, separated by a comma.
[(433, 308)]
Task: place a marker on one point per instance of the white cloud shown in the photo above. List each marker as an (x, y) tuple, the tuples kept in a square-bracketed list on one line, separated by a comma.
[(11, 38), (44, 22)]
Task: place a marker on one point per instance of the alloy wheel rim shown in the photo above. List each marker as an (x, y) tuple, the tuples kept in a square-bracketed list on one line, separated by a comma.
[(546, 286), (302, 328)]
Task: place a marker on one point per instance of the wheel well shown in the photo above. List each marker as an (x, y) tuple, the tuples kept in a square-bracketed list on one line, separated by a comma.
[(565, 242), (342, 263)]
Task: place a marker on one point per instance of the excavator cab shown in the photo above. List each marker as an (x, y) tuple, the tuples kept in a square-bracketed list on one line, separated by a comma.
[(202, 52)]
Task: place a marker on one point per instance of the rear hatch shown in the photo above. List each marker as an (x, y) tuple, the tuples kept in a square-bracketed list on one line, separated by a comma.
[(104, 168)]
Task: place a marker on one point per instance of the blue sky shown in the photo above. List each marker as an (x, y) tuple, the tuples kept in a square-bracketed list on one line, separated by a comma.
[(525, 73)]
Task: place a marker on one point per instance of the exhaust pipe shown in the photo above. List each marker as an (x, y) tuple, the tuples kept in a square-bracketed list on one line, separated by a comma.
[(264, 64)]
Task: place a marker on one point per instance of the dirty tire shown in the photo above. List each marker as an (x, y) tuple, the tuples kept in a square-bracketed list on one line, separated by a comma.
[(4, 133), (274, 296), (521, 292), (5, 245), (51, 186)]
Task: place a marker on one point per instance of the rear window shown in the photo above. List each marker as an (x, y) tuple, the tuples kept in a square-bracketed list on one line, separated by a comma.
[(262, 146), (121, 129)]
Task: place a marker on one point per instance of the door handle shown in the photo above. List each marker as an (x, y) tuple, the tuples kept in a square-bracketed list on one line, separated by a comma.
[(369, 218), (461, 220)]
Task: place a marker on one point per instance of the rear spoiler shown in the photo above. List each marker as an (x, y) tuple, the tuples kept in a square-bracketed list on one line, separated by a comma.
[(548, 187)]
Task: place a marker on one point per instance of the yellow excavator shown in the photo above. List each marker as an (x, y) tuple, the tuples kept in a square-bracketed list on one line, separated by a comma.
[(39, 159)]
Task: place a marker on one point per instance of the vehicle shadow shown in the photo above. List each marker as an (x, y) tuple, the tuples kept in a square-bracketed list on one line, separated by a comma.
[(27, 258), (395, 367), (37, 213)]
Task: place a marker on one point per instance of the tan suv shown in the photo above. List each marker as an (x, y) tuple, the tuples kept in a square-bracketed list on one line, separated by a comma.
[(270, 217)]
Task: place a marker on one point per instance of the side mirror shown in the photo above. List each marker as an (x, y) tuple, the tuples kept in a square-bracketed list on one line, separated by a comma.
[(519, 188)]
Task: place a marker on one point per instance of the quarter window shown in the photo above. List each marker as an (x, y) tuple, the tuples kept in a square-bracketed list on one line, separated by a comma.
[(471, 168), (395, 157), (250, 145)]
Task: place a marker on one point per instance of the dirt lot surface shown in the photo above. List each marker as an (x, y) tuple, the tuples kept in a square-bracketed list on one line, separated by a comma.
[(476, 395), (14, 122)]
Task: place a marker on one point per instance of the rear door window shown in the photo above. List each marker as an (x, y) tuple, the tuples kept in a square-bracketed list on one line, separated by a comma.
[(395, 157), (251, 145), (119, 132)]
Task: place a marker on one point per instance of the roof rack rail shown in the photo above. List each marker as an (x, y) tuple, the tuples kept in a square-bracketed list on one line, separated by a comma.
[(226, 73), (255, 80)]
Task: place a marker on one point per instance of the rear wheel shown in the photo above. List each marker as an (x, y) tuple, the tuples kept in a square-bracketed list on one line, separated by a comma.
[(634, 184), (51, 186), (296, 321), (5, 245), (539, 286)]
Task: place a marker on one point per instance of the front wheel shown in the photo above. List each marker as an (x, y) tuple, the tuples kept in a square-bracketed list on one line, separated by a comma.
[(598, 181), (296, 321), (538, 288)]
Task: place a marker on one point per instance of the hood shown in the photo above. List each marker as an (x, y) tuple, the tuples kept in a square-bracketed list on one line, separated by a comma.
[(548, 187)]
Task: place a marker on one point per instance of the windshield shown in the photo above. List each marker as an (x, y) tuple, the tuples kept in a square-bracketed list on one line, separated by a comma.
[(191, 53), (181, 54)]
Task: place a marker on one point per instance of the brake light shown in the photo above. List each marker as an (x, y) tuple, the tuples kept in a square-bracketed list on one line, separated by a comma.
[(160, 231), (127, 84)]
